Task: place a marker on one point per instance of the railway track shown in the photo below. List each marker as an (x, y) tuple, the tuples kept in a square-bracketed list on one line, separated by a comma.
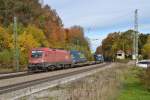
[(12, 75), (21, 85), (20, 74)]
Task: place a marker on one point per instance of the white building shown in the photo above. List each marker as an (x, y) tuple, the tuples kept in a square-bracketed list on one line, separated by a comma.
[(120, 54)]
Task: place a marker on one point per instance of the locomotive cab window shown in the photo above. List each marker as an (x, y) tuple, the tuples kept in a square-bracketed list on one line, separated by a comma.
[(37, 54)]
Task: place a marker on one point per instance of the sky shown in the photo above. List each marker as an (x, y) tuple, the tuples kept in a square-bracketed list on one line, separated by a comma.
[(101, 17)]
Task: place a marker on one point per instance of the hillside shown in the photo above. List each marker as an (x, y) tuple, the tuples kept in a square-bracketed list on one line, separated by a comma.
[(37, 26)]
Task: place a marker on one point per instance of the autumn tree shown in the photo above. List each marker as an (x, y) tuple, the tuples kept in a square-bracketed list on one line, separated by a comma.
[(120, 41), (5, 39), (37, 26), (146, 48), (26, 43), (37, 34), (108, 47), (75, 39), (6, 54)]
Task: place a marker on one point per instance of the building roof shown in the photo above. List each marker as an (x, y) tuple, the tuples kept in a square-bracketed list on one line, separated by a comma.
[(120, 52)]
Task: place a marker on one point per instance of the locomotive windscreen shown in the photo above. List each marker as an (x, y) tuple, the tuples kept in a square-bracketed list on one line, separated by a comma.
[(37, 54)]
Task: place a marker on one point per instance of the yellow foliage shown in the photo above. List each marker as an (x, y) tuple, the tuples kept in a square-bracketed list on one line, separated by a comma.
[(37, 34), (146, 48), (5, 39), (27, 41)]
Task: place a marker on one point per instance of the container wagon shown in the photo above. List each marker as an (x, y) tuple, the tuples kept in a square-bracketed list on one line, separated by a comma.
[(98, 58), (78, 58)]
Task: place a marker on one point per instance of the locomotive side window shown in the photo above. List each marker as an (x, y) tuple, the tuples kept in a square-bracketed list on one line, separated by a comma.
[(37, 54)]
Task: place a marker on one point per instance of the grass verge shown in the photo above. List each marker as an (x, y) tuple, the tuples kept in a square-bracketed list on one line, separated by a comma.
[(132, 88), (4, 69)]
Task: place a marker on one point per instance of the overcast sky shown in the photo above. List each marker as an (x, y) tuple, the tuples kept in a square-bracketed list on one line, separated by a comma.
[(100, 17)]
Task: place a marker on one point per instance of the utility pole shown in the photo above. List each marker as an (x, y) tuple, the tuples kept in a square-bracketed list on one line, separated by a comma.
[(16, 50), (135, 37)]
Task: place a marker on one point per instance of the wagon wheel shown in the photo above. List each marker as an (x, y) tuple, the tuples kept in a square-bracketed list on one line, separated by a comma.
[(51, 68)]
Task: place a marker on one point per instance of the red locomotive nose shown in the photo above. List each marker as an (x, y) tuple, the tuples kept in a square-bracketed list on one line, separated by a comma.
[(36, 57), (34, 61)]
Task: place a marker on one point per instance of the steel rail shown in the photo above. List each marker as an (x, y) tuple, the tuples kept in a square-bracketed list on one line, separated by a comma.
[(18, 86), (25, 73)]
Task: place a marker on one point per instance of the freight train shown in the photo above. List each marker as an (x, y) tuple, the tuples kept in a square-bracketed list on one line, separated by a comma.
[(98, 58), (46, 59)]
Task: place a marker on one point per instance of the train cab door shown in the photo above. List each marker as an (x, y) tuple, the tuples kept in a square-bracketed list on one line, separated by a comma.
[(51, 56)]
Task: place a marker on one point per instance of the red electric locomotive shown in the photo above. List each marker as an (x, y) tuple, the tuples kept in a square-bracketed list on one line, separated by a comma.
[(48, 59)]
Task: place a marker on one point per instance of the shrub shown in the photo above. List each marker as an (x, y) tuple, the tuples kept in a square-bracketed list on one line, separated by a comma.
[(6, 57), (122, 60), (145, 78)]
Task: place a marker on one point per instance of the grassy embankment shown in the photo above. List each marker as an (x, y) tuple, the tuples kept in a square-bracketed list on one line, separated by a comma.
[(132, 88), (5, 69)]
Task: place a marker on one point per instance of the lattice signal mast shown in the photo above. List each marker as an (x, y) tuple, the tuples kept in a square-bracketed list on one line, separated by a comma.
[(135, 37)]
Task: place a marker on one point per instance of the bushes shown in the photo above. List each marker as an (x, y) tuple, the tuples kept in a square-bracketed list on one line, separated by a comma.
[(6, 57), (145, 78), (146, 48), (132, 87), (122, 60)]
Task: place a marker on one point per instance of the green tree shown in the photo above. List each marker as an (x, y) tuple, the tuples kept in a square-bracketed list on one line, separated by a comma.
[(6, 57)]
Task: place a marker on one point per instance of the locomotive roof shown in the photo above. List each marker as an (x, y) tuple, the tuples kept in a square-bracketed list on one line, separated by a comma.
[(47, 49)]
